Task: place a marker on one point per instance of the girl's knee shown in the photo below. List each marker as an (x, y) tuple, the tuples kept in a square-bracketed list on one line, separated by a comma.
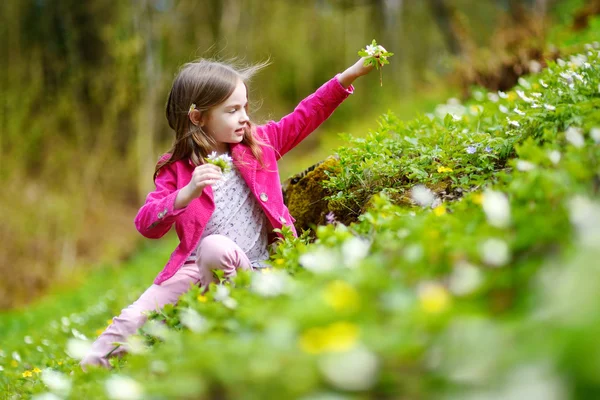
[(213, 249)]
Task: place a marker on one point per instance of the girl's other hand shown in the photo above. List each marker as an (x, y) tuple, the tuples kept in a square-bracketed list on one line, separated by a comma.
[(203, 175)]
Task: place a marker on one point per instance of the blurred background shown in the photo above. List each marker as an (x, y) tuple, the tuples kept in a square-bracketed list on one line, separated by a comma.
[(83, 86)]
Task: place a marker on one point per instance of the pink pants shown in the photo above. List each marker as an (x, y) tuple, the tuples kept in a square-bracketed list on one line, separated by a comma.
[(214, 252)]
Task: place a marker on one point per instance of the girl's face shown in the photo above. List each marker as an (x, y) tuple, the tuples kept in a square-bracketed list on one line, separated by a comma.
[(227, 122)]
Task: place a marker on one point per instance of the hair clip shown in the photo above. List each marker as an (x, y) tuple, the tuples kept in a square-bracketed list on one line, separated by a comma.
[(192, 108)]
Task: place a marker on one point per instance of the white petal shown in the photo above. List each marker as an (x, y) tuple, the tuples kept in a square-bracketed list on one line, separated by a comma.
[(123, 388), (354, 370)]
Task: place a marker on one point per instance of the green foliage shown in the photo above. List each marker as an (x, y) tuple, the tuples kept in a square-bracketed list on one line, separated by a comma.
[(489, 289)]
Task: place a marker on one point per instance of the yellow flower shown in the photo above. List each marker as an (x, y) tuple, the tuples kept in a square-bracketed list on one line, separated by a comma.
[(60, 363), (201, 298), (279, 261), (434, 298), (99, 332), (109, 322), (440, 210), (339, 336), (444, 169), (512, 96), (478, 198), (27, 374), (37, 370), (341, 296)]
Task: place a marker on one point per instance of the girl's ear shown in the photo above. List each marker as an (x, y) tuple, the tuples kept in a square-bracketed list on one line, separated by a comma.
[(196, 117)]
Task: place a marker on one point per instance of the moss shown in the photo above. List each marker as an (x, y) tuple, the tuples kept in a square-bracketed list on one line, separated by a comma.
[(304, 193)]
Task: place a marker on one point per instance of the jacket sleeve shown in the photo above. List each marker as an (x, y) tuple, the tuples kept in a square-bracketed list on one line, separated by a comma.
[(307, 116), (157, 215)]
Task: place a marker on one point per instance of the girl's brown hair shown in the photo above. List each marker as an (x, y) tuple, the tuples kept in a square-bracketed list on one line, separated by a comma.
[(205, 83)]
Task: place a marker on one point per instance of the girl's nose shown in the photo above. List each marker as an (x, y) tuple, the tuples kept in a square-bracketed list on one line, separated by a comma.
[(244, 117)]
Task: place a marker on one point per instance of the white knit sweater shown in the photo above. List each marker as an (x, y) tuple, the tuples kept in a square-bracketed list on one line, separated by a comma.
[(238, 216)]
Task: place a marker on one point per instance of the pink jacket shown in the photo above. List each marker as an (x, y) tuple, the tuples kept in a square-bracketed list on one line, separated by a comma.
[(157, 215)]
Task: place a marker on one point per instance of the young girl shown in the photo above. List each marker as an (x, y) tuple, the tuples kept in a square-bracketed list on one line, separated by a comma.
[(223, 220)]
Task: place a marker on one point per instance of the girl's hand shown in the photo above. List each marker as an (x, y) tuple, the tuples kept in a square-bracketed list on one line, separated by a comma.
[(203, 175), (354, 71)]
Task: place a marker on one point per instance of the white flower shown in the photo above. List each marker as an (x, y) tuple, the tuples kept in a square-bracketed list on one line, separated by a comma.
[(1, 368), (519, 111), (222, 293), (77, 348), (46, 396), (534, 66), (595, 134), (156, 329), (525, 166), (456, 117), (28, 340), (371, 50), (544, 84), (574, 136), (192, 320), (65, 321), (356, 369), (422, 195), (502, 94), (523, 96), (493, 97), (549, 107), (56, 382), (136, 344), (503, 108), (78, 335), (413, 252), (230, 303), (523, 82), (584, 214), (554, 156), (319, 260), (16, 356), (513, 123), (354, 250), (495, 252), (269, 283), (123, 388), (536, 94), (465, 279), (497, 208)]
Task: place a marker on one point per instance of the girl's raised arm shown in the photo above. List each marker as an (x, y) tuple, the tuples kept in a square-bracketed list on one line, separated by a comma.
[(313, 110)]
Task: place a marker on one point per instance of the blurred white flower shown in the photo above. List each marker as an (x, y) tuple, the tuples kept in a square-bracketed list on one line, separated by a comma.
[(319, 260), (136, 344), (269, 283), (46, 396), (525, 166), (230, 303), (465, 279), (549, 107), (16, 356), (554, 156), (534, 66), (503, 109), (502, 94), (123, 388), (65, 321), (413, 252), (354, 370), (513, 123), (494, 252), (480, 362), (523, 96), (585, 216), (544, 84), (497, 208), (78, 335), (57, 382), (422, 195), (493, 97), (354, 250), (1, 368), (516, 109), (77, 348), (28, 340), (574, 136), (533, 382), (222, 292), (595, 134), (156, 329)]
